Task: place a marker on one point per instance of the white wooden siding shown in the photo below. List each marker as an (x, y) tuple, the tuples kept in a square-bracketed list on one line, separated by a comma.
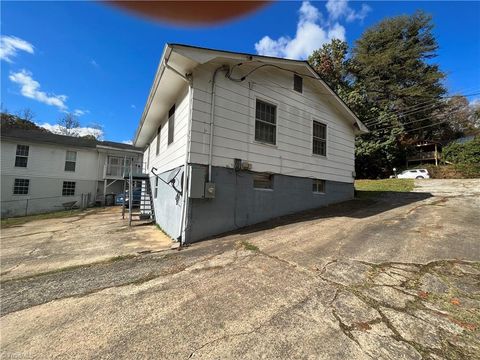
[(173, 155), (234, 132)]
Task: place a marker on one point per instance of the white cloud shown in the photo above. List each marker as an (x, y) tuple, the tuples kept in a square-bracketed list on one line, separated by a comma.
[(133, 106), (94, 63), (31, 89), (312, 30), (339, 8), (79, 112), (310, 36), (474, 102), (80, 131), (10, 45), (128, 142)]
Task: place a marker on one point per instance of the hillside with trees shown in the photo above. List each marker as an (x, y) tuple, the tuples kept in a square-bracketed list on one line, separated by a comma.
[(389, 79)]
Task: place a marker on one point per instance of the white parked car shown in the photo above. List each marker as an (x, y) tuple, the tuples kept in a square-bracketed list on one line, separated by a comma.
[(414, 174)]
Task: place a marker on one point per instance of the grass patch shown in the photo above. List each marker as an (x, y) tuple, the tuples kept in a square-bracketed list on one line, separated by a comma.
[(248, 246), (369, 187), (16, 221)]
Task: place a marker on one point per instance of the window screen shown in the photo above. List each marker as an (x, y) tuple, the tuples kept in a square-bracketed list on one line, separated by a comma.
[(20, 186), (71, 161), (21, 158), (68, 188), (171, 124), (318, 186), (265, 122), (263, 181), (297, 83), (319, 138)]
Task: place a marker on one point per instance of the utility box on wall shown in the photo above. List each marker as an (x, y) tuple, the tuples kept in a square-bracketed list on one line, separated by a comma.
[(196, 186), (210, 190)]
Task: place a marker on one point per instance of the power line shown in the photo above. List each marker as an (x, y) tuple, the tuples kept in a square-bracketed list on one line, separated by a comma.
[(414, 111)]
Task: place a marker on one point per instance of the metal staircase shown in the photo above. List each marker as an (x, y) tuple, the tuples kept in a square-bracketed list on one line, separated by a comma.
[(139, 205)]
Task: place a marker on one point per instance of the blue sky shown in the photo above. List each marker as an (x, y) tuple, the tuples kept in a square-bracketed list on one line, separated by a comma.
[(99, 61)]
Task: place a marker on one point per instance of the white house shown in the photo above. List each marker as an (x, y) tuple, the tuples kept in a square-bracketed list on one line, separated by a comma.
[(40, 171), (259, 137)]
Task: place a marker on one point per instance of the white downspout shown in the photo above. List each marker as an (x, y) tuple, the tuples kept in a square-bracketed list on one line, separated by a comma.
[(212, 120), (186, 173)]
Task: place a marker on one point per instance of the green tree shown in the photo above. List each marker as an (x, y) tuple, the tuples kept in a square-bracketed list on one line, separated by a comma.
[(332, 64), (397, 90)]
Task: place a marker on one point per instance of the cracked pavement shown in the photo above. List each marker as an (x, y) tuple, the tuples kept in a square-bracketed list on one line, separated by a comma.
[(369, 279)]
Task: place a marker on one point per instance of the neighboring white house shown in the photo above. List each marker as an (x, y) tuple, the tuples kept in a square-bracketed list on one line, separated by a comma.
[(40, 171), (260, 137)]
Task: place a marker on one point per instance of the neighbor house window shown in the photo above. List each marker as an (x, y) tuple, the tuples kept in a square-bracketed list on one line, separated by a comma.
[(21, 158), (171, 124), (263, 181), (155, 193), (297, 83), (20, 186), (158, 140), (265, 122), (70, 161), (318, 186), (319, 138), (68, 188)]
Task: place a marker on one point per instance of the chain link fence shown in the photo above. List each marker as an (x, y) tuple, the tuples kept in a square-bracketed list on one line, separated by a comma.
[(31, 206)]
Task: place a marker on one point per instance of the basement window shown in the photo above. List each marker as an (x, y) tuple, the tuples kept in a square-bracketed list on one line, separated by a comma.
[(265, 122), (297, 83), (21, 158), (71, 161), (263, 181), (318, 186), (20, 186), (68, 188)]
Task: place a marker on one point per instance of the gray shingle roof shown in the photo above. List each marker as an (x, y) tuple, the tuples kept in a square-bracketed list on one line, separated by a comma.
[(47, 137)]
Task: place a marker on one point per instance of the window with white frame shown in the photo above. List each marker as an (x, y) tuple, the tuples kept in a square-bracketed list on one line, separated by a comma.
[(70, 161), (318, 186), (171, 124), (263, 181), (68, 188), (319, 138), (21, 186), (265, 122), (21, 158)]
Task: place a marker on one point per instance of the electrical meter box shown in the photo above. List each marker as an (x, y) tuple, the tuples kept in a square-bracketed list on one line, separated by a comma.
[(210, 190)]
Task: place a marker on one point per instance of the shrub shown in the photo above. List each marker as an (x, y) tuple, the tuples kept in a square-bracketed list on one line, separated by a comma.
[(467, 153)]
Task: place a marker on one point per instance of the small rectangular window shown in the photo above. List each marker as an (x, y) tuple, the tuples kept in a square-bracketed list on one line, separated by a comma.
[(21, 158), (297, 83), (265, 122), (171, 124), (155, 193), (263, 181), (157, 150), (71, 161), (318, 186), (319, 138), (68, 188), (20, 186)]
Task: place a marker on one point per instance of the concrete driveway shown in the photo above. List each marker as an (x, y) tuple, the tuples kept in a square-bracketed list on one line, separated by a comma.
[(391, 277), (51, 244)]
